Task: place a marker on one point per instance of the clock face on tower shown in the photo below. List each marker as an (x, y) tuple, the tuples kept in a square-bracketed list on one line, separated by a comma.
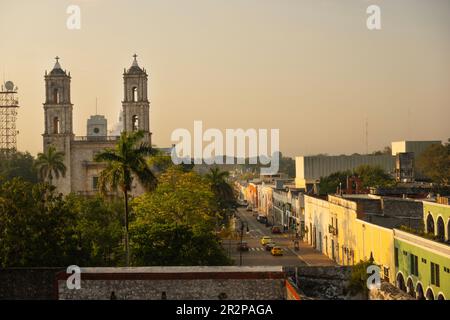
[(96, 130)]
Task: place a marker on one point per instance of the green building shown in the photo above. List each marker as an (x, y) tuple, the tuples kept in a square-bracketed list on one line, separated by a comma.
[(437, 218), (422, 265)]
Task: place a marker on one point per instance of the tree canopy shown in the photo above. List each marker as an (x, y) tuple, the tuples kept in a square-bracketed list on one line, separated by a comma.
[(434, 163)]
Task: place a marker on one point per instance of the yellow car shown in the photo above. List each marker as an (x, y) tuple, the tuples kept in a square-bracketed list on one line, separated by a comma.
[(277, 251), (265, 240)]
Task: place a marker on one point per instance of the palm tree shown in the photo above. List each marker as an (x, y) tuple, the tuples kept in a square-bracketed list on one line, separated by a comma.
[(220, 186), (126, 160), (51, 164)]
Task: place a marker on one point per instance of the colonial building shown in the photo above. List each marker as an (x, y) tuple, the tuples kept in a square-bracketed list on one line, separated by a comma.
[(79, 151)]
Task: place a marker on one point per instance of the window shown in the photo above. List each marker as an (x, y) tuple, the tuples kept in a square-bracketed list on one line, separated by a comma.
[(135, 94), (424, 260), (430, 223), (435, 274), (135, 123), (94, 183), (56, 95), (56, 125), (396, 256), (414, 265)]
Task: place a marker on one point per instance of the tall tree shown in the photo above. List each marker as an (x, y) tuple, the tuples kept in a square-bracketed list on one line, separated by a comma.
[(175, 224), (126, 160), (51, 164), (434, 163), (222, 189)]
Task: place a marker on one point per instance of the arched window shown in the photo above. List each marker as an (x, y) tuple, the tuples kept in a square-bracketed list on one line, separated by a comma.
[(448, 230), (430, 294), (441, 297), (135, 94), (56, 95), (56, 127), (135, 123), (401, 282), (440, 228), (410, 287), (419, 292), (430, 223)]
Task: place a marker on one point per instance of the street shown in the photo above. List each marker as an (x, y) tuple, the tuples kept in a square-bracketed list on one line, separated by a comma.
[(258, 256)]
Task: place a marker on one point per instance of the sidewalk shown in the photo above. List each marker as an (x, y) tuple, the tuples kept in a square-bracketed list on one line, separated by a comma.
[(311, 256)]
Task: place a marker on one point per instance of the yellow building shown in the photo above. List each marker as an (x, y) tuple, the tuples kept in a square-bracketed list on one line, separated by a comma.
[(355, 228)]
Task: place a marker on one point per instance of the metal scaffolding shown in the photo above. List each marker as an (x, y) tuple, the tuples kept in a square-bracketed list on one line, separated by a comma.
[(9, 104)]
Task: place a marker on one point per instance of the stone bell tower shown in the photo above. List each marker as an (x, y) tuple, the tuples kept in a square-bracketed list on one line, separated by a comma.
[(135, 104), (58, 119)]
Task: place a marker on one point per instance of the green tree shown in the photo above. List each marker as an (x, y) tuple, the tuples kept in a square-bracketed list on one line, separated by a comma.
[(126, 160), (222, 190), (99, 229), (434, 163), (330, 184), (51, 164), (36, 227), (373, 176), (175, 224), (180, 197), (18, 164), (171, 244)]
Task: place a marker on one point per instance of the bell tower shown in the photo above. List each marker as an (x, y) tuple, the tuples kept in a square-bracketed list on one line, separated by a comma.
[(135, 104), (58, 130)]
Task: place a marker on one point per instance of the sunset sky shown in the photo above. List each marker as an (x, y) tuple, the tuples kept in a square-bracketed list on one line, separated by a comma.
[(308, 67)]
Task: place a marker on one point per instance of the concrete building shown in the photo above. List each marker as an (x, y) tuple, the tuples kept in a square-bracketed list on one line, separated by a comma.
[(407, 153), (79, 151), (309, 169), (417, 147)]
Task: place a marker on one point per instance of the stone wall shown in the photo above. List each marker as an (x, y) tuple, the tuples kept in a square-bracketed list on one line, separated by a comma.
[(28, 283), (316, 282), (176, 283)]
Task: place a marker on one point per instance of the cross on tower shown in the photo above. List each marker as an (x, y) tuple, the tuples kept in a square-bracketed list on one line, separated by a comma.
[(57, 58)]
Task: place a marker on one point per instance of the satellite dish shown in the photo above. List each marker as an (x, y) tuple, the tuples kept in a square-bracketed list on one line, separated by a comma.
[(9, 85)]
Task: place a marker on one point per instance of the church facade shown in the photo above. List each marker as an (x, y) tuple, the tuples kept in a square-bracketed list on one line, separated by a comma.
[(82, 171)]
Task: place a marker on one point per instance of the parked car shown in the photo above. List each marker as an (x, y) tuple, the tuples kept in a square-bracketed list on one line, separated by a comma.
[(249, 208), (276, 229), (270, 246), (276, 251), (265, 240), (242, 246), (261, 218)]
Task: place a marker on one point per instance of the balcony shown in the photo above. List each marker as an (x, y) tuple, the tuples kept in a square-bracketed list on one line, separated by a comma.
[(96, 138), (332, 230)]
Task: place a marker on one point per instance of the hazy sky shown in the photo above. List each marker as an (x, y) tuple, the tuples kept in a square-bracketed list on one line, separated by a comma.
[(308, 67)]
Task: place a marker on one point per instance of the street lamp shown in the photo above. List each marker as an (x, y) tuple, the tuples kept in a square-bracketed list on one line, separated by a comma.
[(244, 224)]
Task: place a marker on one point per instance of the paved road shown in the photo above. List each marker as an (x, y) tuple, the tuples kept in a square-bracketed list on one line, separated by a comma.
[(258, 256)]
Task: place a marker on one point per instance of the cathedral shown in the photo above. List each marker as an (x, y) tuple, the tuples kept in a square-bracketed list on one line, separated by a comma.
[(79, 151)]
